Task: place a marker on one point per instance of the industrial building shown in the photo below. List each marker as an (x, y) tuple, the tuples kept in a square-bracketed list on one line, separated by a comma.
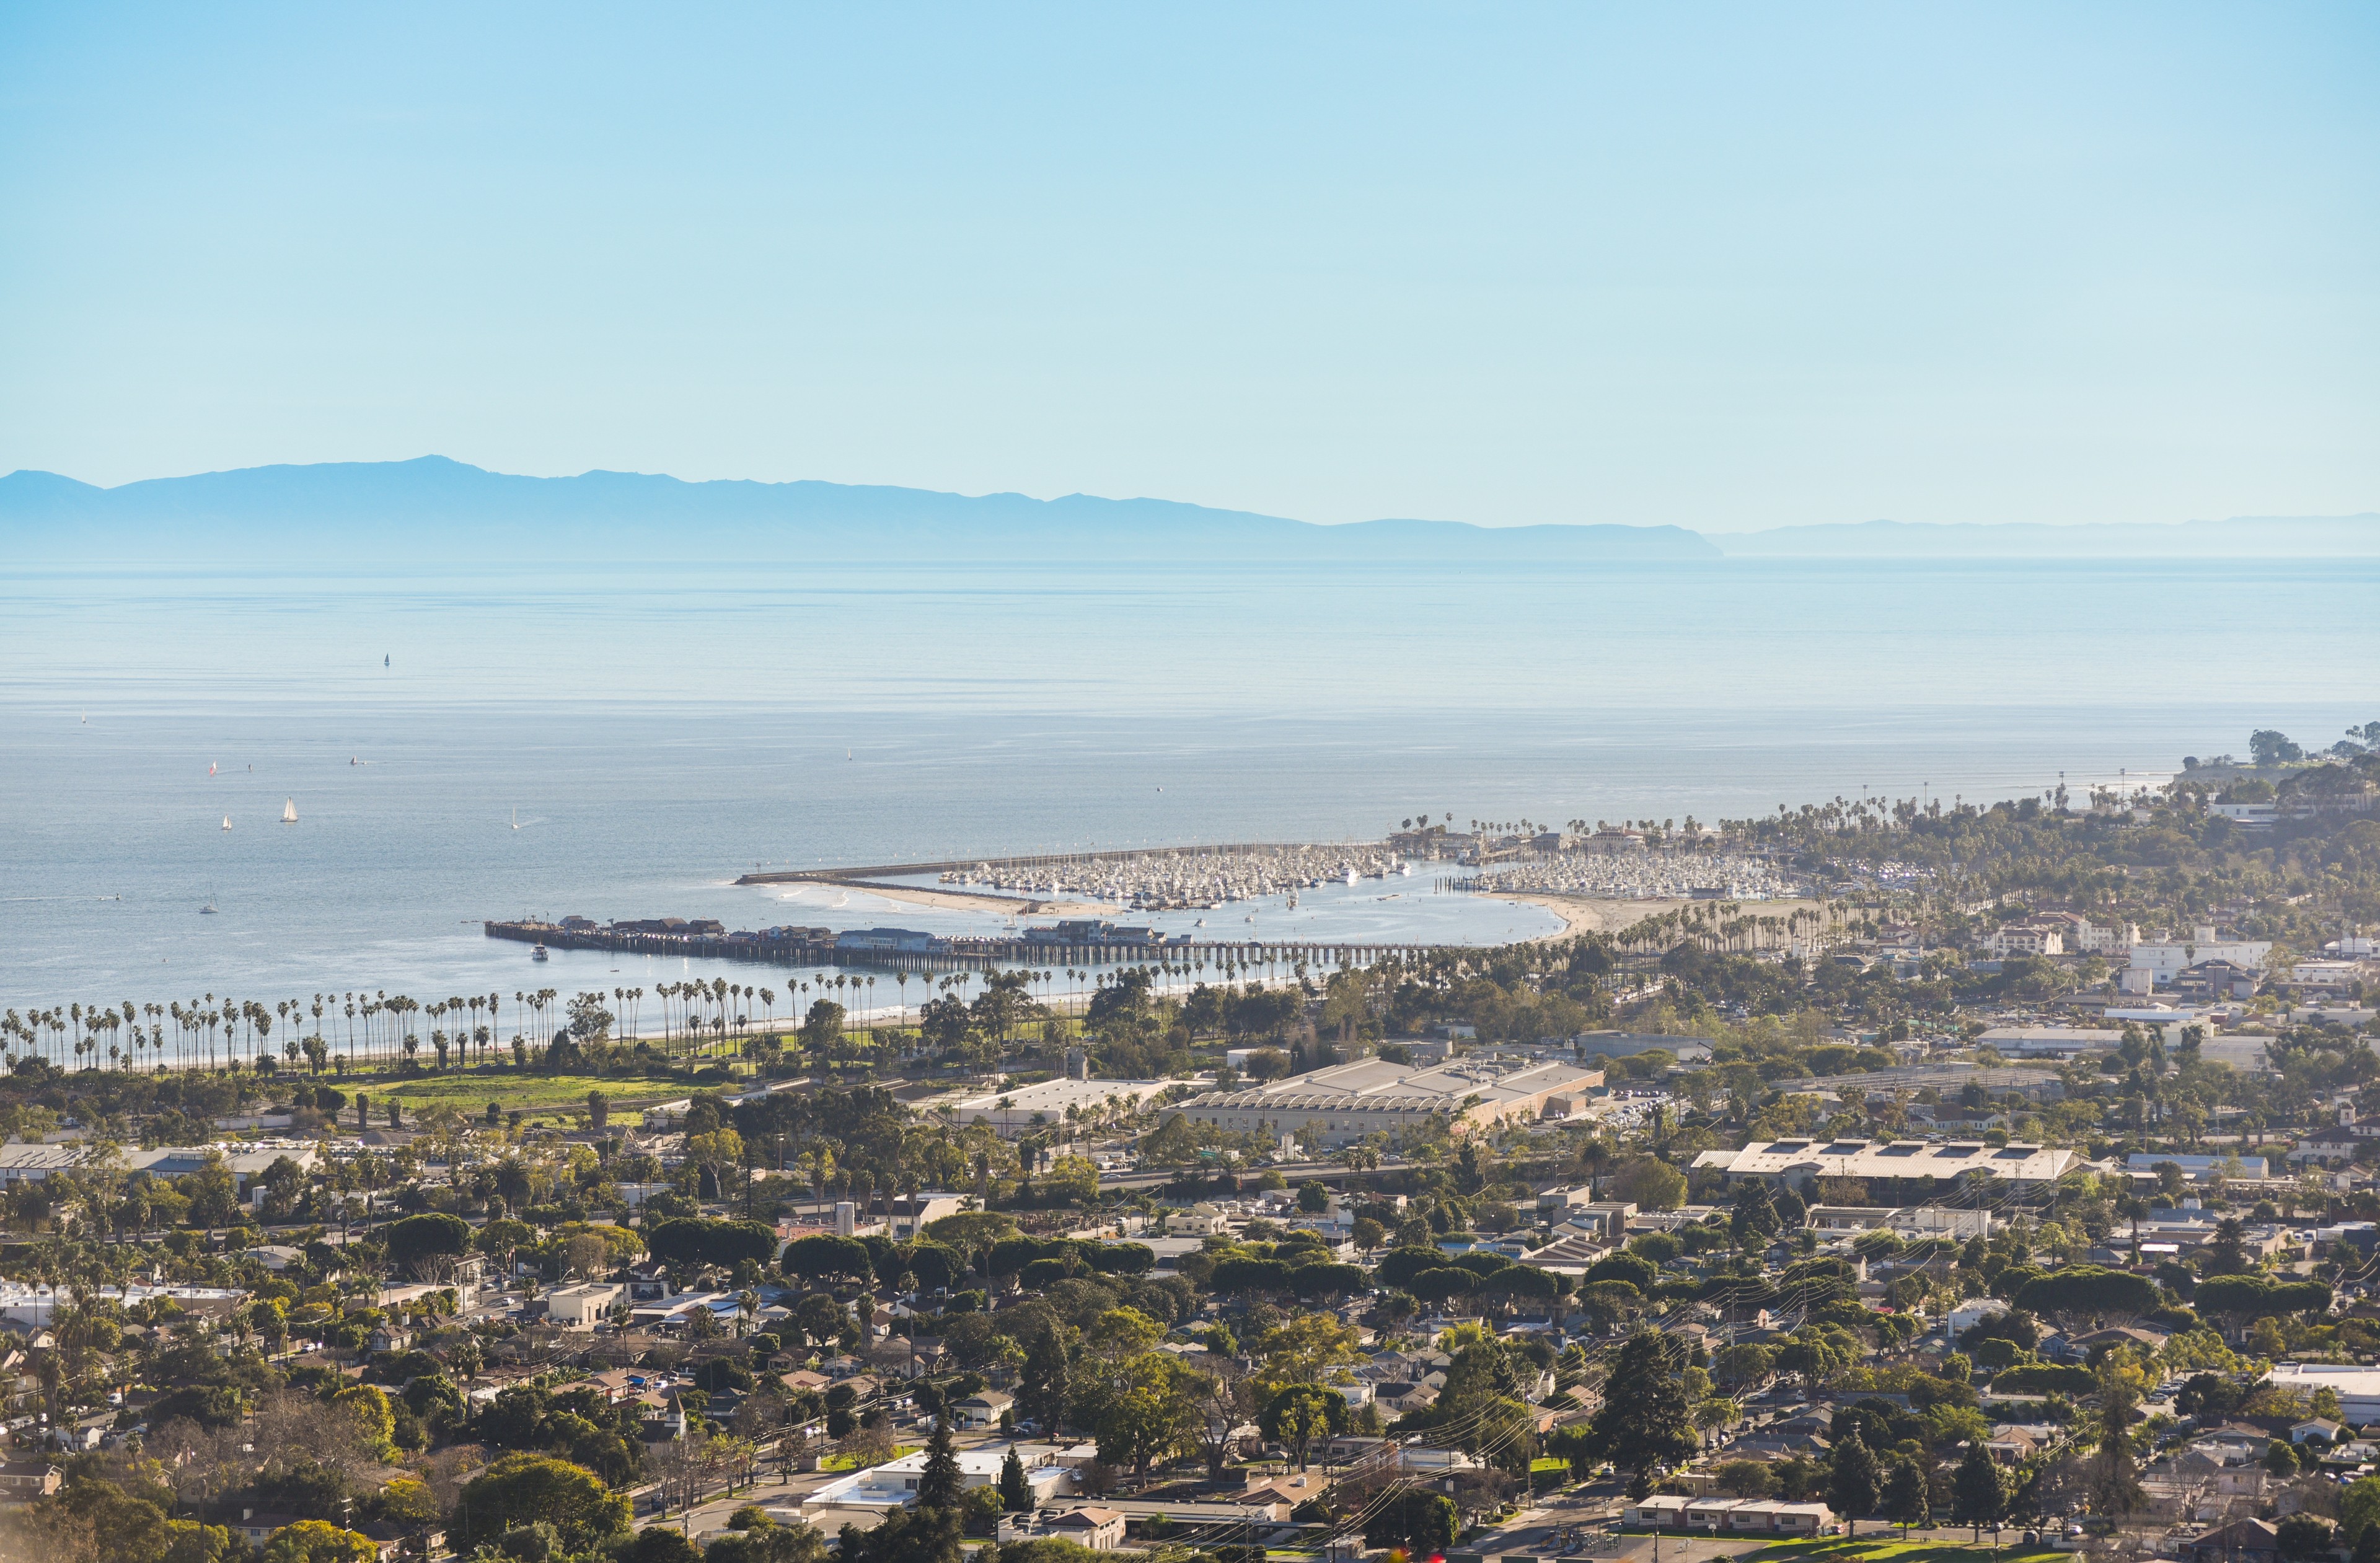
[(1344, 1102), (1789, 1163)]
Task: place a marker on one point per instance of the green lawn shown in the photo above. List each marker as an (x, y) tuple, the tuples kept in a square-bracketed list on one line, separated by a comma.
[(527, 1090), (851, 1462), (1884, 1548)]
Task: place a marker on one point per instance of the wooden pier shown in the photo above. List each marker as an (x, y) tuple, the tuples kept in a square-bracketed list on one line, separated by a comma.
[(960, 954)]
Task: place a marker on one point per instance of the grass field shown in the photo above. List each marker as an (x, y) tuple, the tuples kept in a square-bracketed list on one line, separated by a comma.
[(851, 1462), (1885, 1548), (470, 1091)]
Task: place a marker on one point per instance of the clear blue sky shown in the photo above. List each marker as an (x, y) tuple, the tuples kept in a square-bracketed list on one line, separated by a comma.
[(1726, 267)]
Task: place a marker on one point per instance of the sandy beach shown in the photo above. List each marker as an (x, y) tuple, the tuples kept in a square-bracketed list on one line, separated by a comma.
[(1586, 915)]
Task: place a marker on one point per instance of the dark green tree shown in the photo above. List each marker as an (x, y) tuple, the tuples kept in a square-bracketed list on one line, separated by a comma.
[(942, 1485), (1646, 1421), (1854, 1489), (1978, 1493), (1016, 1493), (1906, 1499)]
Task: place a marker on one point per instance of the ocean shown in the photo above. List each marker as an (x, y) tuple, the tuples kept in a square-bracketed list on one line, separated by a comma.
[(657, 732)]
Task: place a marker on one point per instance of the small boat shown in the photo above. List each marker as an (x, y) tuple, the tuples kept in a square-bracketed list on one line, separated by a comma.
[(1351, 878), (537, 953), (226, 821), (516, 819), (209, 909), (289, 811), (210, 768)]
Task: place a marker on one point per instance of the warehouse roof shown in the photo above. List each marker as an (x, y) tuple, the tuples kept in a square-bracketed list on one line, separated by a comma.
[(1892, 1158)]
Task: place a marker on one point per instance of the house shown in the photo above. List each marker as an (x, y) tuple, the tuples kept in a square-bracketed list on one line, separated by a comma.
[(255, 1528), (22, 1481), (1097, 1529), (2010, 1445), (1200, 1220), (2318, 1428), (981, 1410), (1400, 1398), (2242, 1541), (2234, 1445)]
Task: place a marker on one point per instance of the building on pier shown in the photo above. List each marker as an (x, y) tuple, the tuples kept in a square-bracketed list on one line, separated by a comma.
[(907, 941), (1342, 1103)]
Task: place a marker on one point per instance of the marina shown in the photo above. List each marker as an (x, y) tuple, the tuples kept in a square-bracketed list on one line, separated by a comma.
[(1148, 879)]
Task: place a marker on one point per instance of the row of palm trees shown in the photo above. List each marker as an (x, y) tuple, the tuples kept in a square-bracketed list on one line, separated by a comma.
[(210, 1033)]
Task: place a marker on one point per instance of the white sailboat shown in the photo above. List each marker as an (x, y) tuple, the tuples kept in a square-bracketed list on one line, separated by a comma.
[(516, 818), (226, 821), (289, 811)]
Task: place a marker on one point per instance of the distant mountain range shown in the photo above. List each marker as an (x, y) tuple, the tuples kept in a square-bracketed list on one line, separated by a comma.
[(407, 511), (431, 509)]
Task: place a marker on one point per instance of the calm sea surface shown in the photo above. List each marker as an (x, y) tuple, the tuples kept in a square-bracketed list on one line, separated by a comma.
[(657, 732)]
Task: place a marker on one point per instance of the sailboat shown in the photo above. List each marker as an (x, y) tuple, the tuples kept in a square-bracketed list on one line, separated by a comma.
[(289, 811), (209, 909), (226, 821), (516, 818)]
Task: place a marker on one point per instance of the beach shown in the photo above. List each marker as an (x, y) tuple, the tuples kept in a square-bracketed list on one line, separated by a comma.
[(1588, 914)]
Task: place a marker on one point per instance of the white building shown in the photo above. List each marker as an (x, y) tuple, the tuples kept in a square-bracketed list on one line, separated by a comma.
[(1028, 1107), (2358, 1387), (583, 1306), (894, 1484), (1908, 1221), (2102, 938), (33, 1305), (1788, 1163), (2167, 959), (23, 1163), (2199, 1169), (2034, 935)]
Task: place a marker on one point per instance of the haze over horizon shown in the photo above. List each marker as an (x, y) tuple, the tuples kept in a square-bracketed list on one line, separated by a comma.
[(1825, 266)]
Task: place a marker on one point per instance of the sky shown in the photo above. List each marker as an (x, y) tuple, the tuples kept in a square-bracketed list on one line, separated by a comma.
[(1723, 267)]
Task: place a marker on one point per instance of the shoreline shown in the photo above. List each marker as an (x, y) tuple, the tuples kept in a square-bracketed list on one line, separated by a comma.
[(1592, 915)]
